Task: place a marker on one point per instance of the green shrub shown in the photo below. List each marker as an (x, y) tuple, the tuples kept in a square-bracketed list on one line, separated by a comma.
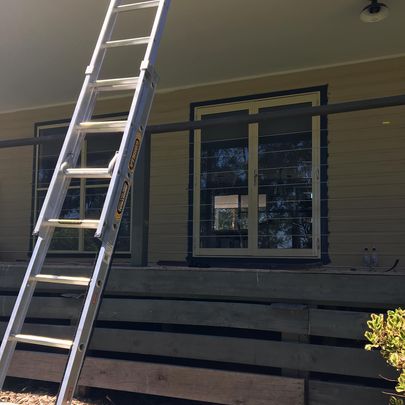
[(387, 333)]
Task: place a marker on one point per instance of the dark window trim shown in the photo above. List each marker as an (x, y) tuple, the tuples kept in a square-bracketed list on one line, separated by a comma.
[(324, 210), (32, 223)]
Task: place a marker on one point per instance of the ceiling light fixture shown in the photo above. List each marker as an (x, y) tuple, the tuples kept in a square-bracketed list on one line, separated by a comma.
[(374, 12)]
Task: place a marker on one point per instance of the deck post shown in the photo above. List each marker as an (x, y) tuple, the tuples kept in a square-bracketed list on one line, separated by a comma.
[(140, 206)]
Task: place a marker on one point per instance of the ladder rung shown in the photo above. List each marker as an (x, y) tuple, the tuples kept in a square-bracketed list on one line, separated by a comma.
[(127, 42), (88, 173), (73, 223), (103, 126), (127, 83), (137, 6), (43, 341), (48, 278)]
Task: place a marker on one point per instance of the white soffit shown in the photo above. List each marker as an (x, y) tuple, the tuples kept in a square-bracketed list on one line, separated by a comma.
[(45, 45)]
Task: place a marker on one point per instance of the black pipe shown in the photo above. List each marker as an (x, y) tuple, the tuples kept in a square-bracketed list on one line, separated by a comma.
[(11, 143), (350, 106), (337, 108)]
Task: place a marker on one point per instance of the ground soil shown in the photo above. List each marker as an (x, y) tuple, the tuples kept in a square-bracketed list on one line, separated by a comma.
[(29, 398), (29, 392)]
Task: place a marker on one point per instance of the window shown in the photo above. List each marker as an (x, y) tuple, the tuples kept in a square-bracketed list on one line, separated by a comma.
[(257, 186), (85, 198)]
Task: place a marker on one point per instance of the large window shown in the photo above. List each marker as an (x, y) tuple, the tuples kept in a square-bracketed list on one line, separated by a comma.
[(257, 186), (85, 198)]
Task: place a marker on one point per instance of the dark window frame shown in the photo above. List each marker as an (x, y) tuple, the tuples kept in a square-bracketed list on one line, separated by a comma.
[(73, 254), (267, 262)]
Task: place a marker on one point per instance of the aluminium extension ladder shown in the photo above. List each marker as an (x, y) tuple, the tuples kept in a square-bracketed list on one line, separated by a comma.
[(120, 171)]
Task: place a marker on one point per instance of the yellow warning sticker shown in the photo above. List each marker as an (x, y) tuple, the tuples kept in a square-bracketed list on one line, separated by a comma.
[(122, 200), (135, 151)]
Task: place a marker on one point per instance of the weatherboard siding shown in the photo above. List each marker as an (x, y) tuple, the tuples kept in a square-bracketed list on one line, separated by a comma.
[(365, 162)]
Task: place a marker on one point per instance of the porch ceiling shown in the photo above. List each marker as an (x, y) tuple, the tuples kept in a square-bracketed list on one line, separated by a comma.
[(45, 45)]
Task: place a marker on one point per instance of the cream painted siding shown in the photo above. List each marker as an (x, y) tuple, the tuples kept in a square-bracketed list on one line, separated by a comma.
[(366, 164), (169, 197)]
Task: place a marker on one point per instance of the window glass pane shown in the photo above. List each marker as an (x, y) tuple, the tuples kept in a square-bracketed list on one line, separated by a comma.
[(124, 235), (64, 238), (101, 149), (285, 182), (95, 197), (94, 203), (224, 185), (48, 155)]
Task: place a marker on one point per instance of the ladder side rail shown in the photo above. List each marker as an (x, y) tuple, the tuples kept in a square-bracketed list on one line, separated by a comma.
[(157, 32), (84, 109), (129, 141)]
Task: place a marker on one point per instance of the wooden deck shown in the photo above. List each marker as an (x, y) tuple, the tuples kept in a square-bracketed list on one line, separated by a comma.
[(228, 336)]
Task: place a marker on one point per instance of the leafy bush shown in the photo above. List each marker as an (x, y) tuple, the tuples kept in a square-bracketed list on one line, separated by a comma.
[(387, 333)]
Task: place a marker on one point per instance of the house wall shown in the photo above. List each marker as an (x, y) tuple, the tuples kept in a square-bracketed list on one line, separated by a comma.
[(366, 165), (366, 162)]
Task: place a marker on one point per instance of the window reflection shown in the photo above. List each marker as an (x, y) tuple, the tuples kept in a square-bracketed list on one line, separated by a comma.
[(231, 212), (285, 177)]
